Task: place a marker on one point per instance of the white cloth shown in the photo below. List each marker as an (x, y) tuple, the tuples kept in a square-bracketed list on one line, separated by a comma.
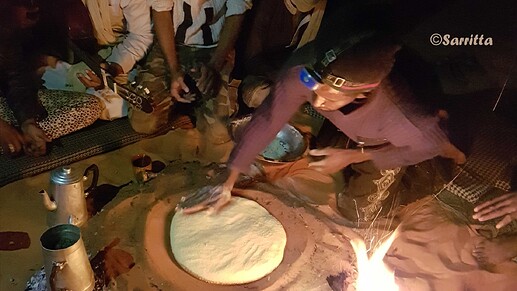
[(112, 105), (56, 78), (101, 21), (131, 24), (160, 5), (199, 9)]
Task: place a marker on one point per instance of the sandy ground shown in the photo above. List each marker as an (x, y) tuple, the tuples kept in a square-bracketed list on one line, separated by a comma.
[(430, 254)]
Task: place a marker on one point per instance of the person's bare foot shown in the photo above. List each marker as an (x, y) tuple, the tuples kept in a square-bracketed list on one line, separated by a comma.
[(490, 253)]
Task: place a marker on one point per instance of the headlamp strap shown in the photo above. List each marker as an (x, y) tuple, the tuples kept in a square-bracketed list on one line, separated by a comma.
[(332, 54)]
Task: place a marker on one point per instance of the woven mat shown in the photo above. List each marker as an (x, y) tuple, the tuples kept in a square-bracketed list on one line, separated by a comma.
[(101, 137)]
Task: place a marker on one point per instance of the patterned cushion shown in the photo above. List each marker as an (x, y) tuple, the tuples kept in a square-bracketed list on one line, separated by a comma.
[(67, 111)]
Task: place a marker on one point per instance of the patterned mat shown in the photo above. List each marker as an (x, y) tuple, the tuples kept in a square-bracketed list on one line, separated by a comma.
[(101, 137)]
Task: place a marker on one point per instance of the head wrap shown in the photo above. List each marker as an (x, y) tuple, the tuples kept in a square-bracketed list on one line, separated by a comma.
[(362, 66), (300, 5)]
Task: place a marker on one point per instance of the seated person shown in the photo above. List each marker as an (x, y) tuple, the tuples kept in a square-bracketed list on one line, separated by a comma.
[(271, 39), (122, 32), (195, 41), (481, 192), (27, 120), (492, 252), (351, 85)]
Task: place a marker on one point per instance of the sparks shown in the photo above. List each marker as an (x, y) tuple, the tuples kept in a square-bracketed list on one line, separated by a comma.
[(373, 273)]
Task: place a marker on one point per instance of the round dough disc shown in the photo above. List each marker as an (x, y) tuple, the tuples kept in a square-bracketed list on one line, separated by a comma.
[(240, 244)]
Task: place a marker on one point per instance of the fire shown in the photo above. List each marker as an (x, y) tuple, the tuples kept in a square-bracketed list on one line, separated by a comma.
[(373, 274)]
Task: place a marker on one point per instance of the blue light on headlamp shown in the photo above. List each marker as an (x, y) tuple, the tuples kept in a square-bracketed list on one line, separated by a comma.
[(312, 78), (308, 79)]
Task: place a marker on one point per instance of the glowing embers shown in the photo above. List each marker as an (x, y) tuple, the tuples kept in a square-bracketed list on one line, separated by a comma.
[(373, 273)]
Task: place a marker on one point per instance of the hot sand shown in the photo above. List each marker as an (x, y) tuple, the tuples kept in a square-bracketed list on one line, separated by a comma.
[(431, 253)]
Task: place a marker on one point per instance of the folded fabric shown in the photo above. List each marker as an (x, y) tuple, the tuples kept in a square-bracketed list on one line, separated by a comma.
[(112, 105)]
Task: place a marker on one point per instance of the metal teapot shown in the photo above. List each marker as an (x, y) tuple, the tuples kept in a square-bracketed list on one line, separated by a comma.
[(66, 201)]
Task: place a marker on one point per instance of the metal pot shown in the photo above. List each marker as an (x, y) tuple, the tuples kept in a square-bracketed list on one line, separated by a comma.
[(289, 144), (66, 262)]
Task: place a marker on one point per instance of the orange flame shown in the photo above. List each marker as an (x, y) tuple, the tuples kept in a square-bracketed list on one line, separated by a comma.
[(373, 274)]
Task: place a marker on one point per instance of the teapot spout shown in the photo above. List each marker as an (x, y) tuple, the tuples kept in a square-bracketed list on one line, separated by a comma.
[(49, 204)]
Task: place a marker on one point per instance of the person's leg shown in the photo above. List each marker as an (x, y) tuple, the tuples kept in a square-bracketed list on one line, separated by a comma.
[(426, 178), (212, 111), (491, 252), (369, 192), (155, 76)]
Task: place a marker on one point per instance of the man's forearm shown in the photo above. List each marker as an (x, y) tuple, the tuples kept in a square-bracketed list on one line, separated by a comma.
[(164, 30), (138, 37), (229, 34), (232, 178)]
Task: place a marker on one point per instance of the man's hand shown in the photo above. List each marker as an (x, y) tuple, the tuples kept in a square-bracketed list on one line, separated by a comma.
[(254, 90), (336, 159), (224, 198), (91, 80), (210, 197), (209, 81), (10, 139), (213, 198), (113, 69), (116, 72), (36, 139), (504, 206), (451, 152), (179, 90), (45, 61)]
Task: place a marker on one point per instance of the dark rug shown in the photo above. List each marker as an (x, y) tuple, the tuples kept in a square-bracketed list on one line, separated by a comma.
[(101, 137)]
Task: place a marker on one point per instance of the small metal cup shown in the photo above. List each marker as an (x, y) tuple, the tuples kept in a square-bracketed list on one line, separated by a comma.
[(66, 263), (142, 166)]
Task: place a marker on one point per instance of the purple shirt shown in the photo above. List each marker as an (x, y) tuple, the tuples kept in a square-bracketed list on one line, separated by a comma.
[(412, 138)]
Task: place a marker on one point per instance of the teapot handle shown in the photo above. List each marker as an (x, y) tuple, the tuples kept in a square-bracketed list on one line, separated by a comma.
[(92, 168), (56, 269)]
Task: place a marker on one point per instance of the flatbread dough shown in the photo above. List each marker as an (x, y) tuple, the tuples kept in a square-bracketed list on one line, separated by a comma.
[(240, 244)]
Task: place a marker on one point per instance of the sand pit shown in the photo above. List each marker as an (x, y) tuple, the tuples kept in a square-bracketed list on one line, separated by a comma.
[(158, 227), (307, 243), (317, 249)]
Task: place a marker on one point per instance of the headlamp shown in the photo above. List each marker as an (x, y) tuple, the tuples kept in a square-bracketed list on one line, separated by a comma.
[(313, 80), (310, 79), (321, 74)]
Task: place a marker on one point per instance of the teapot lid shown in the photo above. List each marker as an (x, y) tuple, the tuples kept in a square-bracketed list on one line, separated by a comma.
[(65, 175)]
